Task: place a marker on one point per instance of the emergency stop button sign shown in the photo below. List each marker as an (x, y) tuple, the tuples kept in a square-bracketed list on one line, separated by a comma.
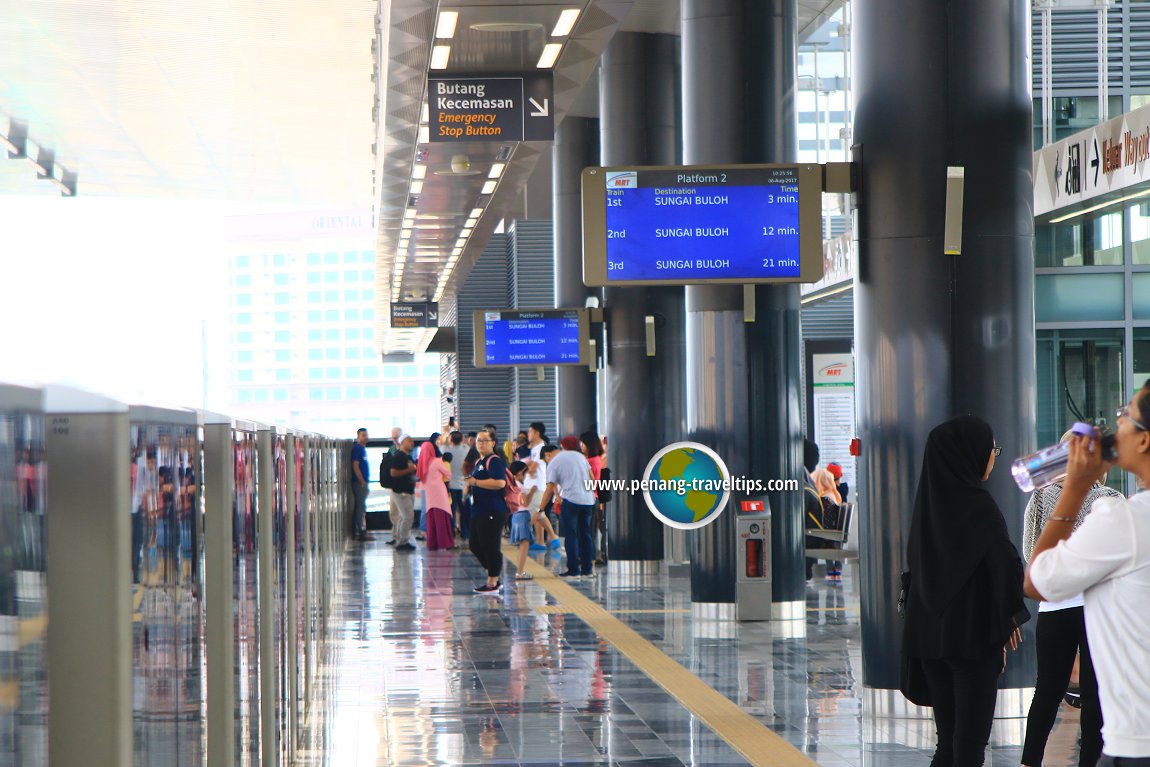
[(514, 108)]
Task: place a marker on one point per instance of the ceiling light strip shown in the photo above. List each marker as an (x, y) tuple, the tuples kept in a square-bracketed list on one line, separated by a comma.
[(550, 55), (445, 25), (1100, 206), (566, 23), (440, 55)]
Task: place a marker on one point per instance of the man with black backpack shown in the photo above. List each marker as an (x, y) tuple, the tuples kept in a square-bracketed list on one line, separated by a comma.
[(403, 493), (385, 478)]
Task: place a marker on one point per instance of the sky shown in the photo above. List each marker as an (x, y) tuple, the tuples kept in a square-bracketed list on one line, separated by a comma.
[(112, 295)]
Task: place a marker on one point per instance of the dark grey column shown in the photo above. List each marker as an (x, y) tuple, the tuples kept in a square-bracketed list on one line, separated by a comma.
[(531, 256), (576, 147), (484, 395), (738, 106), (937, 84), (645, 407), (774, 352)]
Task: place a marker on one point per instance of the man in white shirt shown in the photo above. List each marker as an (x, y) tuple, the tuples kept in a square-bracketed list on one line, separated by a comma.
[(1108, 559), (569, 477)]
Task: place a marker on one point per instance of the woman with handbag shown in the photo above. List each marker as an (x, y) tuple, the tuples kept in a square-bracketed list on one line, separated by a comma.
[(965, 600)]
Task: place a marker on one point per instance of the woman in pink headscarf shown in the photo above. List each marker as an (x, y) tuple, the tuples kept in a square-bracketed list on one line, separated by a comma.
[(439, 529)]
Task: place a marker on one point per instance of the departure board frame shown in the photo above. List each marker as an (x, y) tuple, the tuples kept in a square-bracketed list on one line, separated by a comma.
[(479, 334), (809, 214)]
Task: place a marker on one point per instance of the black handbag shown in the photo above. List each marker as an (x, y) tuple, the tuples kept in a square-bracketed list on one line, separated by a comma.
[(911, 679), (912, 682)]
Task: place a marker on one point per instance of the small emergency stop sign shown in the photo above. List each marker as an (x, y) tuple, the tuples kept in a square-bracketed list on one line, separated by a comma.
[(751, 506)]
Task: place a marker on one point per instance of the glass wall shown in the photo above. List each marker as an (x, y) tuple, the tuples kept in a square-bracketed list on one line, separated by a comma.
[(167, 627), (1079, 376), (1071, 113), (23, 589), (1092, 314)]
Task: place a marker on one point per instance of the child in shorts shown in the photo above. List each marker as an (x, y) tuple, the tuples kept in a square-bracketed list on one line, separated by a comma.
[(521, 533)]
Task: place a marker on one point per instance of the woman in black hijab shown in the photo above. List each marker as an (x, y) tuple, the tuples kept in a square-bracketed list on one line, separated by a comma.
[(965, 600)]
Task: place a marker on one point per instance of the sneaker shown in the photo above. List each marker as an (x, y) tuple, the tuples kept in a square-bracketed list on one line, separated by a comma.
[(521, 576), (537, 547), (405, 547), (569, 574), (554, 544), (483, 588), (586, 576), (1073, 698), (391, 542)]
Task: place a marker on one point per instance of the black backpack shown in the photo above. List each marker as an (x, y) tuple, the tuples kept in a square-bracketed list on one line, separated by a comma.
[(604, 492), (385, 478)]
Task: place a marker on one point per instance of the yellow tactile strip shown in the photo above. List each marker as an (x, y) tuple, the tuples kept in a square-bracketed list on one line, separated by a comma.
[(744, 733), (573, 610)]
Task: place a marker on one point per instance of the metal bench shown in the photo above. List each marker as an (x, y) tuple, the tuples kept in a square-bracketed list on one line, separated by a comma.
[(842, 544)]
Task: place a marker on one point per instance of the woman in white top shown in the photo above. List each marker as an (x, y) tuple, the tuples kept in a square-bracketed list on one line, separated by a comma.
[(1107, 560), (1060, 637)]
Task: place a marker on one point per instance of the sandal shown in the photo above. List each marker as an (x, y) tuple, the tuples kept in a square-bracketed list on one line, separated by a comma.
[(524, 577)]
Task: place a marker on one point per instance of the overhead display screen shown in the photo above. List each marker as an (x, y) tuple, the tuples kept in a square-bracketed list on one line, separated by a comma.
[(531, 337), (702, 224)]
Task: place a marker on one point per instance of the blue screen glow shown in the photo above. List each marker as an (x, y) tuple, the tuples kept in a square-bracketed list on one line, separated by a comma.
[(684, 226), (531, 338)]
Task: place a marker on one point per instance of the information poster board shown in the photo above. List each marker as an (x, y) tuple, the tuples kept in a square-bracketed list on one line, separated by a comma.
[(834, 411), (702, 224), (531, 337)]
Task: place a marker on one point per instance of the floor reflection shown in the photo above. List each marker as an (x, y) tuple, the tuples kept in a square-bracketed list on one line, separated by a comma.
[(425, 672)]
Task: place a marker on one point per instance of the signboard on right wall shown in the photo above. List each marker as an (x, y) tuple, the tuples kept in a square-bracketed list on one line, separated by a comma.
[(833, 403), (1102, 164)]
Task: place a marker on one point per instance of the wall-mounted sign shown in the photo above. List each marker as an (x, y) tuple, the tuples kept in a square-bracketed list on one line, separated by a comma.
[(1096, 164), (515, 108), (421, 315), (834, 410), (531, 337), (702, 224)]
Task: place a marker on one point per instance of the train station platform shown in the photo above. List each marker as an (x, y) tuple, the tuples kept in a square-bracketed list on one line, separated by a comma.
[(553, 672)]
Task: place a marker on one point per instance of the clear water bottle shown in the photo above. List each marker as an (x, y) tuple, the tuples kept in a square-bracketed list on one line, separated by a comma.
[(1048, 465)]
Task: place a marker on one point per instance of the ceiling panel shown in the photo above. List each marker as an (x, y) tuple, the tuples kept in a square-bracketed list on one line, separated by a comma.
[(225, 99), (414, 272), (409, 271)]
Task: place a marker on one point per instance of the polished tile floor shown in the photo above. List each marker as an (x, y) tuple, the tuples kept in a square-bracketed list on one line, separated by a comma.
[(423, 672)]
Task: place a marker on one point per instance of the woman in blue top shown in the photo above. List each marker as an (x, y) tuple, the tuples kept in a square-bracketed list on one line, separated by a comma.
[(488, 511)]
